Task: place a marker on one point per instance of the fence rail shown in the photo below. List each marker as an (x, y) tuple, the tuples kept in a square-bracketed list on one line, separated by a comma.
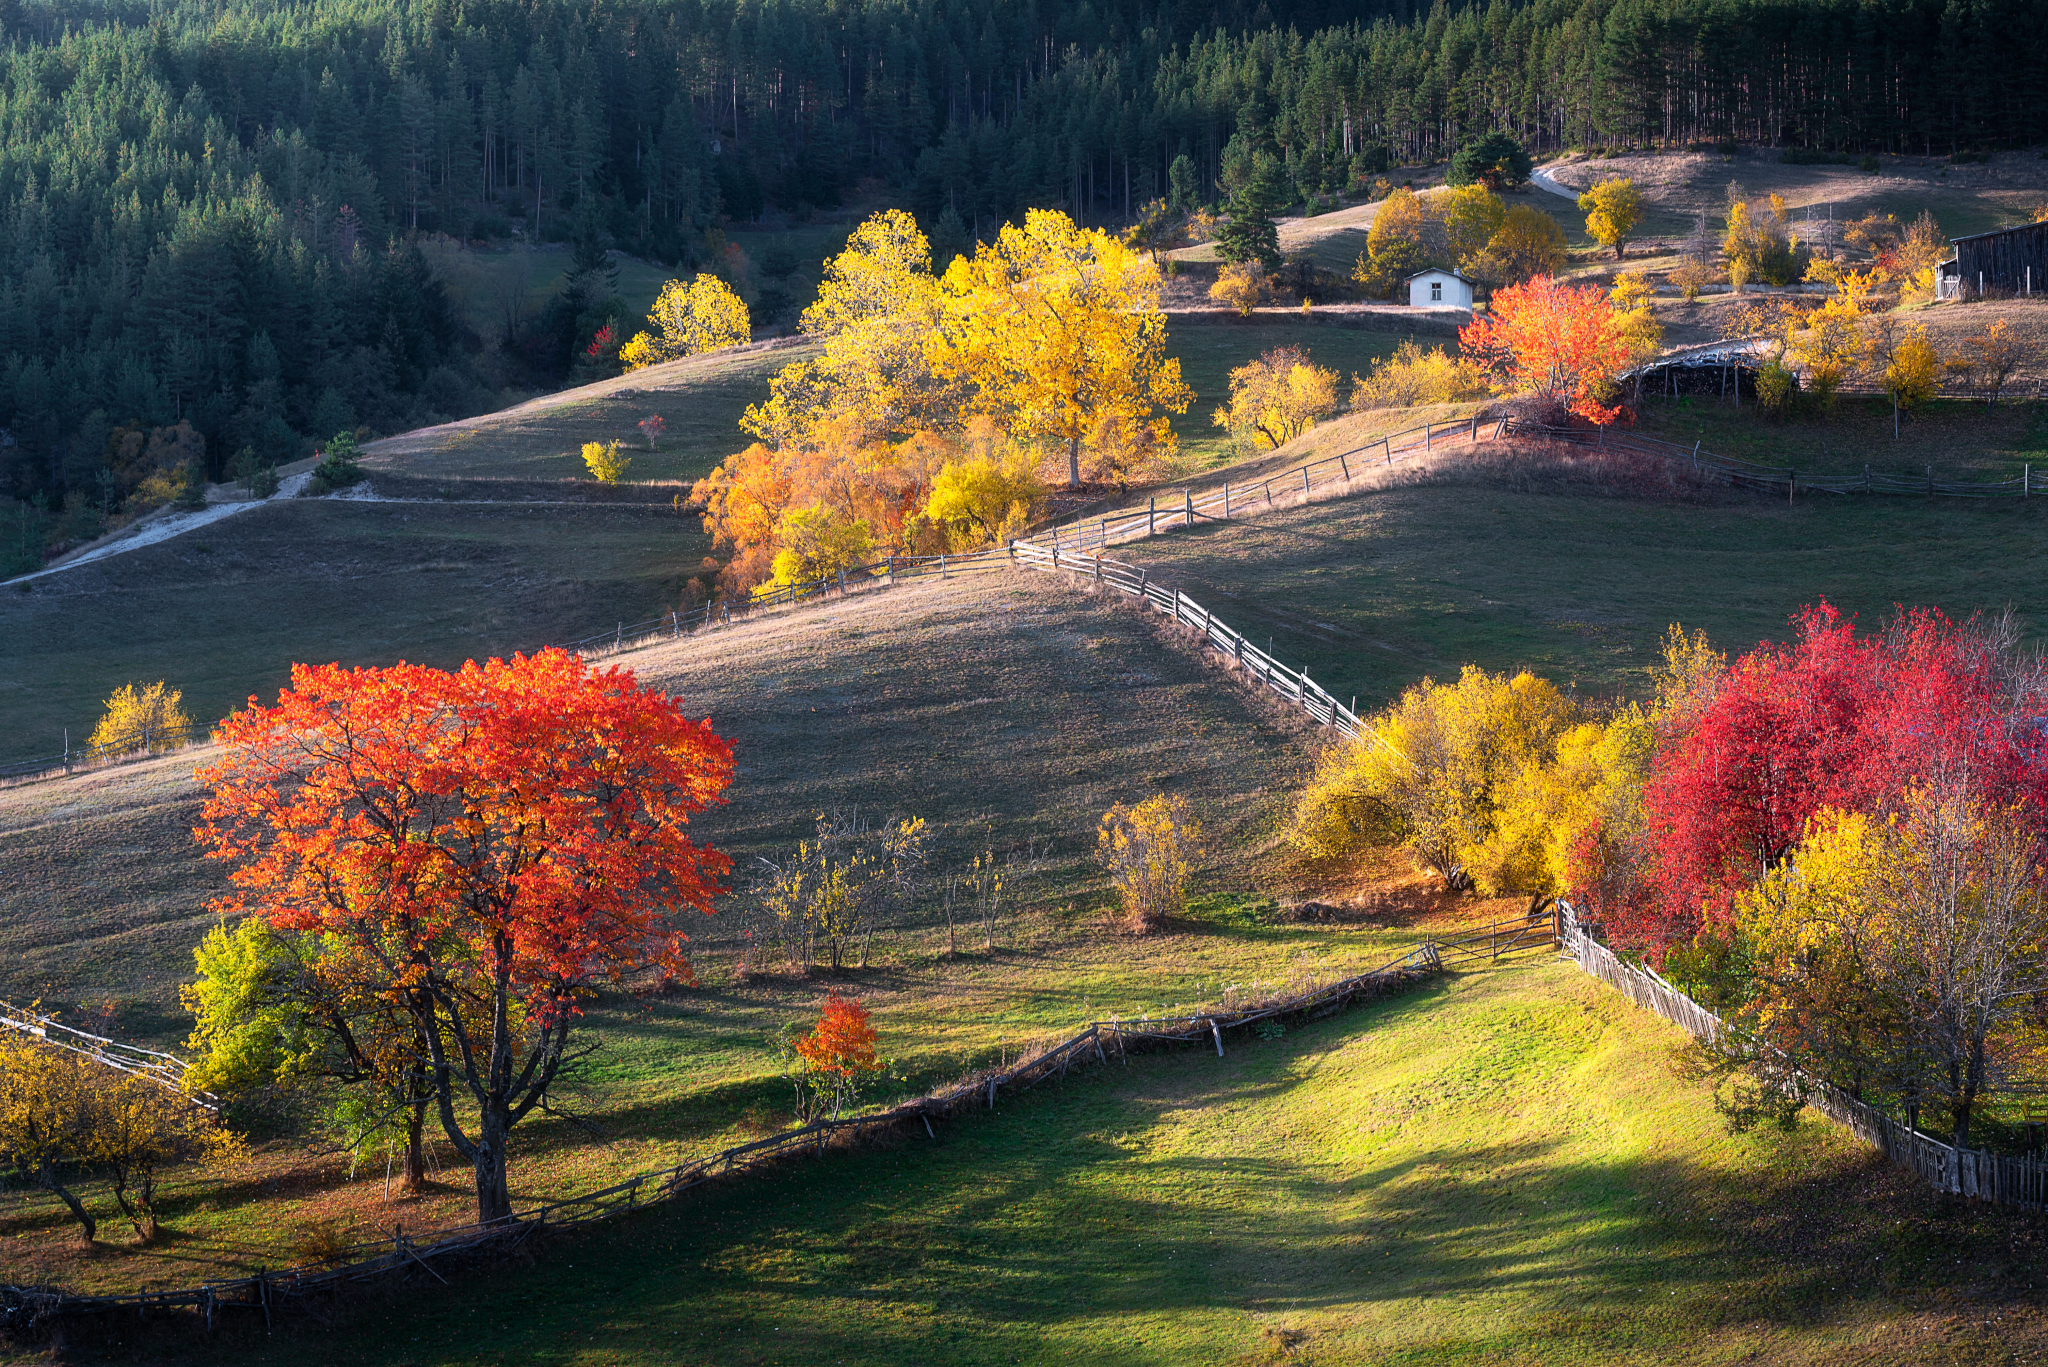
[(2021, 1182), (269, 1290), (1747, 474)]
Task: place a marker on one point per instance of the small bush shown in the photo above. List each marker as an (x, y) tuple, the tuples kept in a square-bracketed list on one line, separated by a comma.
[(1149, 850), (1412, 376), (606, 461), (1868, 166), (1776, 387), (340, 465)]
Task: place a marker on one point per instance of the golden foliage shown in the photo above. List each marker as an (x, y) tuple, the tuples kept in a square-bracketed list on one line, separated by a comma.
[(1149, 850), (1613, 208), (1472, 217), (688, 320), (1240, 285), (1432, 773), (1278, 396), (1634, 323), (605, 461), (150, 718), (1991, 355), (1413, 376), (1528, 243), (1053, 328), (987, 495), (60, 1110)]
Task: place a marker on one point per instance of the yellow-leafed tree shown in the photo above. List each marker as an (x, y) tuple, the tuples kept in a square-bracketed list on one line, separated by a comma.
[(605, 461), (1149, 849), (149, 718), (1240, 285), (1613, 208), (1473, 216), (1432, 773), (1278, 396), (1054, 328), (688, 320), (1527, 244), (877, 315), (989, 494)]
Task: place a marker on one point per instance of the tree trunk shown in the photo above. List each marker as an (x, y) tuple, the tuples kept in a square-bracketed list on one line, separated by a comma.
[(493, 1196), (1073, 462), (46, 1178), (415, 1148)]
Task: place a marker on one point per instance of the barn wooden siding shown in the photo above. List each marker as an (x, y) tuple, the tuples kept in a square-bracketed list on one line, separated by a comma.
[(2003, 259)]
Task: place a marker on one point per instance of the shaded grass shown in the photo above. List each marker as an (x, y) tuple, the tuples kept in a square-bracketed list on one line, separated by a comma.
[(1958, 438), (1498, 1170), (223, 612), (1373, 592)]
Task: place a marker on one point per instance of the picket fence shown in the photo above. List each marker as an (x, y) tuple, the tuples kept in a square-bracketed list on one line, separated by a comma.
[(1994, 1178)]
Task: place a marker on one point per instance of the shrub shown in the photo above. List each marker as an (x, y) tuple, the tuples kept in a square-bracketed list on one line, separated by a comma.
[(1412, 376), (1149, 850), (828, 1063), (1776, 388), (1431, 773), (607, 463), (1241, 285), (149, 719)]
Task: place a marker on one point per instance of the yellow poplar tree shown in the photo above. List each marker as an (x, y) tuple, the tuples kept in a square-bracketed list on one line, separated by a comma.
[(688, 320), (876, 311), (1613, 208), (1278, 396), (1056, 328), (149, 718), (1473, 215)]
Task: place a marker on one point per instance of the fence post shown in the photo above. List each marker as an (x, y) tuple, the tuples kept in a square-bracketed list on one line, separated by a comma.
[(942, 560), (1187, 505), (675, 625), (618, 636), (842, 583), (1226, 500), (1304, 481), (1475, 429), (1387, 450), (1342, 464), (1098, 569), (1152, 517), (1428, 434), (2026, 472), (1102, 533)]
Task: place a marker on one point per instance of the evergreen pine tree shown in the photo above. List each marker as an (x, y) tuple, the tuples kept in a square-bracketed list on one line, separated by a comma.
[(1250, 234)]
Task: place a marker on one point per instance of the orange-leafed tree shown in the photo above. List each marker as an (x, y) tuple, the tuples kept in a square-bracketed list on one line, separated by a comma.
[(1552, 340), (480, 849), (830, 1061)]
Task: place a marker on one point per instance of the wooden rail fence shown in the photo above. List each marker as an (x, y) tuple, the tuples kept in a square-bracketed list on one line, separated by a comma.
[(2004, 1181)]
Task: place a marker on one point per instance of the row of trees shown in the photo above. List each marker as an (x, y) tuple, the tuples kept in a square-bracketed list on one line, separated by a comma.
[(911, 429), (1837, 841)]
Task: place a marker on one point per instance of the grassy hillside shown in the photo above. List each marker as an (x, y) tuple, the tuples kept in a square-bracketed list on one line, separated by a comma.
[(224, 611), (1500, 1170), (1505, 568)]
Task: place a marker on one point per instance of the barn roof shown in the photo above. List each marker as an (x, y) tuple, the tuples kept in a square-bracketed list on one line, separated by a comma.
[(2001, 232)]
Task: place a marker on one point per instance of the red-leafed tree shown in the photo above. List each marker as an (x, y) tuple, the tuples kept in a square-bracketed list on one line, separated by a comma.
[(478, 849), (834, 1058), (1552, 340), (1835, 720)]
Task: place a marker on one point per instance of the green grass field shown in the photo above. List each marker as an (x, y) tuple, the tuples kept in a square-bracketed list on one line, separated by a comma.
[(1499, 1169), (1372, 592), (224, 611)]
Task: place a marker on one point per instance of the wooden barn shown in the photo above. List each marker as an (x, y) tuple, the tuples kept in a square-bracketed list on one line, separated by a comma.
[(2009, 261)]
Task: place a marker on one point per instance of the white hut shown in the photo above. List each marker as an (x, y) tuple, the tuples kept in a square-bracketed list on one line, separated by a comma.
[(1437, 288)]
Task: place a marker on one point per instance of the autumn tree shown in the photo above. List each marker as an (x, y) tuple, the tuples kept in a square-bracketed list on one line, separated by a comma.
[(829, 1063), (495, 843), (990, 494), (1056, 327), (1528, 243), (1393, 245), (273, 1009), (1240, 285), (1472, 217), (1431, 773), (150, 718), (1413, 376), (1992, 354), (1830, 341), (876, 319), (1635, 323), (689, 320), (1907, 360), (1278, 396), (1556, 341), (605, 461), (64, 1116), (1149, 849), (830, 892), (1613, 208)]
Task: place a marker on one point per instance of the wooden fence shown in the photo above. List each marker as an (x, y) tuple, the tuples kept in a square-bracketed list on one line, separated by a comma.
[(267, 1291), (154, 1064), (1746, 474), (2004, 1181)]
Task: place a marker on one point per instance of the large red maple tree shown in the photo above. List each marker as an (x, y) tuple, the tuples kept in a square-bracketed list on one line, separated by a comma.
[(1830, 720), (1553, 340), (487, 845)]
